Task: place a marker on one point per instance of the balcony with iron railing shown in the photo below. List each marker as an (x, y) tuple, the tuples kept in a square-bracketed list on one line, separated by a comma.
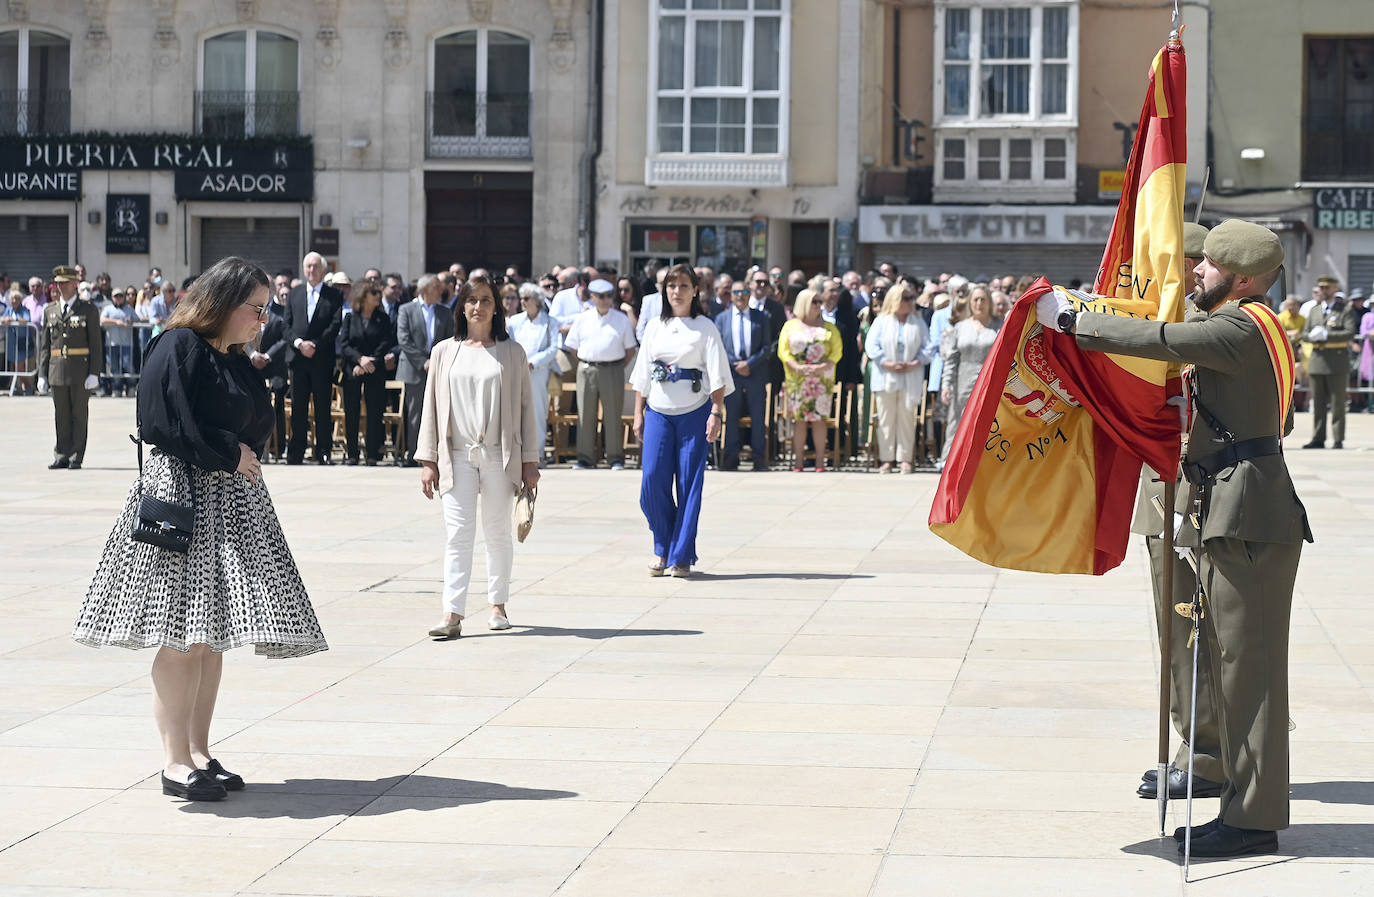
[(478, 126), (242, 113), (25, 112)]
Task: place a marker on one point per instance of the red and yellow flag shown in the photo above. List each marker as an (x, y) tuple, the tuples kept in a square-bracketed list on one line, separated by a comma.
[(1043, 470)]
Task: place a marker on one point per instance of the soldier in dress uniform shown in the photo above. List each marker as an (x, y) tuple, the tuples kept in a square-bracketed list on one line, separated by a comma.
[(1205, 745), (69, 353), (1252, 526), (1331, 324)]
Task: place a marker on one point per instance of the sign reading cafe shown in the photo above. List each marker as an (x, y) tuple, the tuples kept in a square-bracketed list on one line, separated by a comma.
[(205, 168)]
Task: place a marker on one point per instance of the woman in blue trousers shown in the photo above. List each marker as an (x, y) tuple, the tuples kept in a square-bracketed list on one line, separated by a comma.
[(681, 377)]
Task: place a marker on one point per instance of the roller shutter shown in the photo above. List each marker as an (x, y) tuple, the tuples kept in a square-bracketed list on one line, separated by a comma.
[(1060, 264), (273, 243), (33, 245), (1361, 272)]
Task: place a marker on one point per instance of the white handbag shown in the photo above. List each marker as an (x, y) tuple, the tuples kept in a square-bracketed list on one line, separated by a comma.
[(524, 511)]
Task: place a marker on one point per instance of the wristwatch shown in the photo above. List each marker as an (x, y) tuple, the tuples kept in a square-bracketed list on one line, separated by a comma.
[(1067, 319)]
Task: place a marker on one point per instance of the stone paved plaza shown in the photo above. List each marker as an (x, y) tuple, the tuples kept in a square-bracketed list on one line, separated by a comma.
[(840, 704)]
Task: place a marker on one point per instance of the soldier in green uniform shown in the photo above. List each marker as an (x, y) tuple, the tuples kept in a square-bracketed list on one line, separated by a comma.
[(1253, 524), (1330, 327), (69, 353), (1205, 745)]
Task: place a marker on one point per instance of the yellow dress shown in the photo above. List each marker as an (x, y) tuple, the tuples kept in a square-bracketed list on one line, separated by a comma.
[(809, 397)]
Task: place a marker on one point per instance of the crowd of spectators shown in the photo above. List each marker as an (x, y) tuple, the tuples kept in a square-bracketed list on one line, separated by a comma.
[(916, 345)]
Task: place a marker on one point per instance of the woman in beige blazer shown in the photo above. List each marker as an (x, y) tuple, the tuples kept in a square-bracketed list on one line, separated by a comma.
[(479, 436)]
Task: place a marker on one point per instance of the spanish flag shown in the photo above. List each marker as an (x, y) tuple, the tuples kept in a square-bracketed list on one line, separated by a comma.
[(1043, 470)]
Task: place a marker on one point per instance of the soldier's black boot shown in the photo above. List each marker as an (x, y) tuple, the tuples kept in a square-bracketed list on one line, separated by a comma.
[(59, 464), (1229, 841)]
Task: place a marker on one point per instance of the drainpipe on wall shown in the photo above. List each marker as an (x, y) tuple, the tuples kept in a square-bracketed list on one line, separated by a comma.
[(586, 217)]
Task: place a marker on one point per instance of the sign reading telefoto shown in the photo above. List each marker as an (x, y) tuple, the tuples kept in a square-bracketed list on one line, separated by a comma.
[(206, 168)]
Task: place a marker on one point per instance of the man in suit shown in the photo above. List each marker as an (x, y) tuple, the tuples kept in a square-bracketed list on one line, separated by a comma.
[(273, 358), (763, 296), (1253, 524), (419, 325), (69, 352), (747, 333), (314, 313), (1331, 325)]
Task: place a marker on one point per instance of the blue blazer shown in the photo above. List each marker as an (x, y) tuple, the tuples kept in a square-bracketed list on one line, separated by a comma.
[(760, 340)]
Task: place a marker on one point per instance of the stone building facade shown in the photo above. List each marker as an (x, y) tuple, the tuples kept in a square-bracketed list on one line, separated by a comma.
[(404, 134)]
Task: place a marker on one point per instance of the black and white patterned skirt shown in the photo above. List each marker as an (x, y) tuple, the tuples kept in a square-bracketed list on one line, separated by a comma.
[(237, 586)]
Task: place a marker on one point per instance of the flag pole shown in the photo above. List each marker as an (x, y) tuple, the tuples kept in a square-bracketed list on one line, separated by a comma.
[(1166, 636)]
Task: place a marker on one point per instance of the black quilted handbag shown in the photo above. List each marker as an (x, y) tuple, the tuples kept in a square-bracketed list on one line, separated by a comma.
[(166, 524)]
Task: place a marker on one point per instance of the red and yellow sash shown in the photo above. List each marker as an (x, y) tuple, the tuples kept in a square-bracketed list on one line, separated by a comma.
[(1280, 352)]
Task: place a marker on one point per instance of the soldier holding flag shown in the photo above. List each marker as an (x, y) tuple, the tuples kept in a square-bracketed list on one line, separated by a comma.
[(1253, 524)]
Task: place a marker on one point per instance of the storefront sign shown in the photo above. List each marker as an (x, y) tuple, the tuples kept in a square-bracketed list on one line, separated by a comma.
[(40, 184), (1343, 208), (243, 186), (984, 224), (325, 240), (145, 153), (1110, 184), (126, 224)]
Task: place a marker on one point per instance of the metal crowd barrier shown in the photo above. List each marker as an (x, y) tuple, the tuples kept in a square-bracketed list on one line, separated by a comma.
[(19, 364), (123, 363)]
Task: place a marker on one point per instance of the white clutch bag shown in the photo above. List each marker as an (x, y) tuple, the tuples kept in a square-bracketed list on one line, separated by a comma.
[(524, 511)]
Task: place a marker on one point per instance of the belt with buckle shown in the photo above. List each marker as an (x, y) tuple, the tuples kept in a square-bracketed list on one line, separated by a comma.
[(604, 364), (74, 353), (1343, 345)]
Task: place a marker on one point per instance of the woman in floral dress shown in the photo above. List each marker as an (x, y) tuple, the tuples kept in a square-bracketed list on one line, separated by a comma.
[(809, 348)]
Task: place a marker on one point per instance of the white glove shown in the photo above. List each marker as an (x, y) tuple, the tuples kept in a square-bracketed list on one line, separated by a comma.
[(1181, 404), (1317, 334), (42, 385), (1048, 307), (92, 382)]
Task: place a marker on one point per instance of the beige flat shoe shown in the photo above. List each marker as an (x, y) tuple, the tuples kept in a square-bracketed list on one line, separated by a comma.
[(447, 630), (680, 571), (656, 569)]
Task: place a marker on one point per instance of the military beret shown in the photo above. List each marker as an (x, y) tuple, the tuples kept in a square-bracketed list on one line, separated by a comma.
[(1244, 248), (601, 286), (65, 274), (1193, 235)]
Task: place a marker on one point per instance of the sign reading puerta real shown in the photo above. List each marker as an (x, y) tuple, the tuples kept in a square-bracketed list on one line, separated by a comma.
[(205, 168)]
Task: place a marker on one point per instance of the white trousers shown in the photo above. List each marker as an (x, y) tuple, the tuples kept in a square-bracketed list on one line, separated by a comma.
[(539, 388), (896, 426), (486, 478)]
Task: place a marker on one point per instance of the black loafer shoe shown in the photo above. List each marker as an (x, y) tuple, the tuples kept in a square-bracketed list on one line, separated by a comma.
[(200, 785), (74, 465), (1338, 444), (1314, 444), (59, 464), (1178, 786), (1199, 831), (1228, 841), (231, 781)]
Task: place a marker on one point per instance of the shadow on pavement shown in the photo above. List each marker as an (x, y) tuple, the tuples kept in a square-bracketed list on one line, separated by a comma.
[(1335, 792), (559, 631), (1326, 840), (794, 577), (319, 798)]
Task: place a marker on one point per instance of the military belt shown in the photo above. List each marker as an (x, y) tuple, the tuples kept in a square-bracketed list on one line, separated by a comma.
[(1206, 470), (73, 353), (1343, 345)]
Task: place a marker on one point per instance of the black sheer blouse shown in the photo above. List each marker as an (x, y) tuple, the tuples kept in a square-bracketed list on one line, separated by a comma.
[(198, 404)]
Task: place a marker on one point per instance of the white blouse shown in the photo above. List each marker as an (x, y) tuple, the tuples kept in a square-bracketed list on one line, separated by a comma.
[(687, 343), (475, 403)]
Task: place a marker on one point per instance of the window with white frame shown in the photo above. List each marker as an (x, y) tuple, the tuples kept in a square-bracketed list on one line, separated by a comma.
[(35, 82), (1006, 101), (249, 84), (719, 77), (999, 62)]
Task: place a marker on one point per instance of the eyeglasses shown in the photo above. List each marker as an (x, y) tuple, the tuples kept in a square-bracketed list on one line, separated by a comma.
[(740, 292), (260, 309), (761, 283)]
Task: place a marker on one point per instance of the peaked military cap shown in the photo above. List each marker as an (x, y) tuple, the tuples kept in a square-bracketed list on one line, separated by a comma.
[(1244, 248), (65, 274)]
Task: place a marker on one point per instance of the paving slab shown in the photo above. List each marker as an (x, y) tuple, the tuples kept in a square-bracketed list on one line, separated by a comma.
[(849, 708)]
